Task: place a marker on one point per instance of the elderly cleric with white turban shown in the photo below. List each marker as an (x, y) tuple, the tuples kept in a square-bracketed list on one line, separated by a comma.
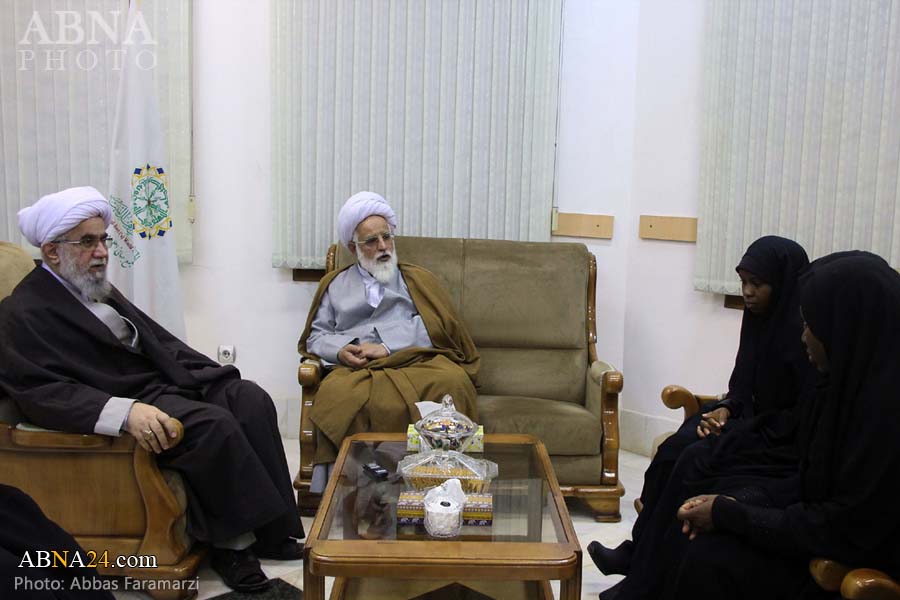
[(55, 214), (366, 322), (366, 225), (358, 208), (80, 357), (59, 222)]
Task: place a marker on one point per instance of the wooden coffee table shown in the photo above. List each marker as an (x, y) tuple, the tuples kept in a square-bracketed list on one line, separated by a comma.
[(355, 536)]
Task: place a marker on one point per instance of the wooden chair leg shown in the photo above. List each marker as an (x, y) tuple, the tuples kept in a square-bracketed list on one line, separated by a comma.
[(606, 510), (308, 503)]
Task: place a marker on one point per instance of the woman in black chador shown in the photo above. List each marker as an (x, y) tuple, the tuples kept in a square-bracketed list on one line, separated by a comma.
[(756, 541), (769, 373)]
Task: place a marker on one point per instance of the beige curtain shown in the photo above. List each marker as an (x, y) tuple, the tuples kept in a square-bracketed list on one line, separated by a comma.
[(802, 130), (448, 109), (59, 73)]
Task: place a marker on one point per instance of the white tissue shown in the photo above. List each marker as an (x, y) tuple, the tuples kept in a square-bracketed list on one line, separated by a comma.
[(426, 407), (443, 509)]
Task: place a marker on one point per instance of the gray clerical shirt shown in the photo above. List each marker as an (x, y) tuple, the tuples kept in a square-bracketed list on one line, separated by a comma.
[(345, 317)]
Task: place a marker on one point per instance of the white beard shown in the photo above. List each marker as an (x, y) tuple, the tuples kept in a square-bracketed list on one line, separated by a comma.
[(93, 286), (383, 272)]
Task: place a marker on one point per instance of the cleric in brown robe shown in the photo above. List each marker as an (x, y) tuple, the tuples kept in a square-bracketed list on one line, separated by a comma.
[(389, 331), (77, 356)]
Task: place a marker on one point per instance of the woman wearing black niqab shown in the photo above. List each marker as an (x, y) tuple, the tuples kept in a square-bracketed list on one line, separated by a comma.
[(843, 507), (769, 372)]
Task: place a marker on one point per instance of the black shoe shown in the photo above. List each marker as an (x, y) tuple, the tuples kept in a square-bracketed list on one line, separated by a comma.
[(612, 561), (239, 569), (286, 549)]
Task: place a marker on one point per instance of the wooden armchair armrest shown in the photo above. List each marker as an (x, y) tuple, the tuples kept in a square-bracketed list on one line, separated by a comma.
[(828, 574), (58, 440), (604, 383), (869, 584), (45, 463), (675, 397), (853, 584), (309, 374), (36, 438)]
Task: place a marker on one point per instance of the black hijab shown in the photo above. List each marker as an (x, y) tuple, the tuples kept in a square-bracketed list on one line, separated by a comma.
[(851, 455), (771, 364)]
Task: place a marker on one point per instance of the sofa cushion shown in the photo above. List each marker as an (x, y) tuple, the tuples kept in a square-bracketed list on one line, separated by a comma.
[(564, 427), (510, 294), (15, 264), (525, 294), (554, 374), (578, 470)]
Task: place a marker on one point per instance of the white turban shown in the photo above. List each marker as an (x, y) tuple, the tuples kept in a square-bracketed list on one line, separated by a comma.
[(55, 214), (357, 209)]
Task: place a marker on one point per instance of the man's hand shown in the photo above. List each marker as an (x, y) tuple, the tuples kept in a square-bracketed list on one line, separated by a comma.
[(696, 513), (152, 428), (374, 351), (712, 422), (352, 356)]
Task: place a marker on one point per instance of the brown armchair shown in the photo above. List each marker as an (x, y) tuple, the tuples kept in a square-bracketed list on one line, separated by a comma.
[(530, 309), (105, 491), (831, 576)]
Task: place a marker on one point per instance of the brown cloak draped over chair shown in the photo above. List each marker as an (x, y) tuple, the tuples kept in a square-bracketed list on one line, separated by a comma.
[(382, 396)]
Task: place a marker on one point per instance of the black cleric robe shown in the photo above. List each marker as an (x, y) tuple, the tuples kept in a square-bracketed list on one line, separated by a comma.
[(26, 531), (60, 365)]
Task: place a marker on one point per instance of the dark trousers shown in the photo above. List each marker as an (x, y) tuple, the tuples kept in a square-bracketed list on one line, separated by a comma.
[(25, 530), (233, 464)]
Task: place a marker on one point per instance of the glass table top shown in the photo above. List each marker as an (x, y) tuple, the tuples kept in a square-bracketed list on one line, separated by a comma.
[(364, 503)]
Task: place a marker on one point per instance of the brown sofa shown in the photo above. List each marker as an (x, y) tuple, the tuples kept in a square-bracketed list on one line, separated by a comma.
[(530, 308), (106, 491)]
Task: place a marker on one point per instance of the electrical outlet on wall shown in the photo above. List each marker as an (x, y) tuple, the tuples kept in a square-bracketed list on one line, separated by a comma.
[(226, 354)]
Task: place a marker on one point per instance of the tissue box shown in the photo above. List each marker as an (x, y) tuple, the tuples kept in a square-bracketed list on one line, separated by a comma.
[(478, 510), (414, 443)]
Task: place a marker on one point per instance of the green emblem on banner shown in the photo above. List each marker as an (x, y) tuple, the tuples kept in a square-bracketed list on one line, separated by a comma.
[(122, 247), (150, 199)]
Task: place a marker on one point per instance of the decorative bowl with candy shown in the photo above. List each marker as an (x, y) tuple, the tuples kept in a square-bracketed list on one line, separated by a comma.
[(431, 468), (446, 428)]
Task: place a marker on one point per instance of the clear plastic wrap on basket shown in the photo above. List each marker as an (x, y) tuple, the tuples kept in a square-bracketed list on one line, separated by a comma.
[(433, 467), (446, 428)]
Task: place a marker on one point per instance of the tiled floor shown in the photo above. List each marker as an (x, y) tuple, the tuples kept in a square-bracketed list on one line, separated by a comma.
[(631, 468)]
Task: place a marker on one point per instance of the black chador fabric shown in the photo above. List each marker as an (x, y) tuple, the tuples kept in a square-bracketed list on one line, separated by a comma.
[(852, 304), (771, 365), (844, 505), (60, 364), (769, 372), (24, 532)]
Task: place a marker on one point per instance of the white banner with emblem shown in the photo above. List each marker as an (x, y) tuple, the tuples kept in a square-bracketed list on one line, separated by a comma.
[(143, 262)]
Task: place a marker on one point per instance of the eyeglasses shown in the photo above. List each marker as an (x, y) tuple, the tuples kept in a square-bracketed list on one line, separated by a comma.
[(88, 242), (371, 242)]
